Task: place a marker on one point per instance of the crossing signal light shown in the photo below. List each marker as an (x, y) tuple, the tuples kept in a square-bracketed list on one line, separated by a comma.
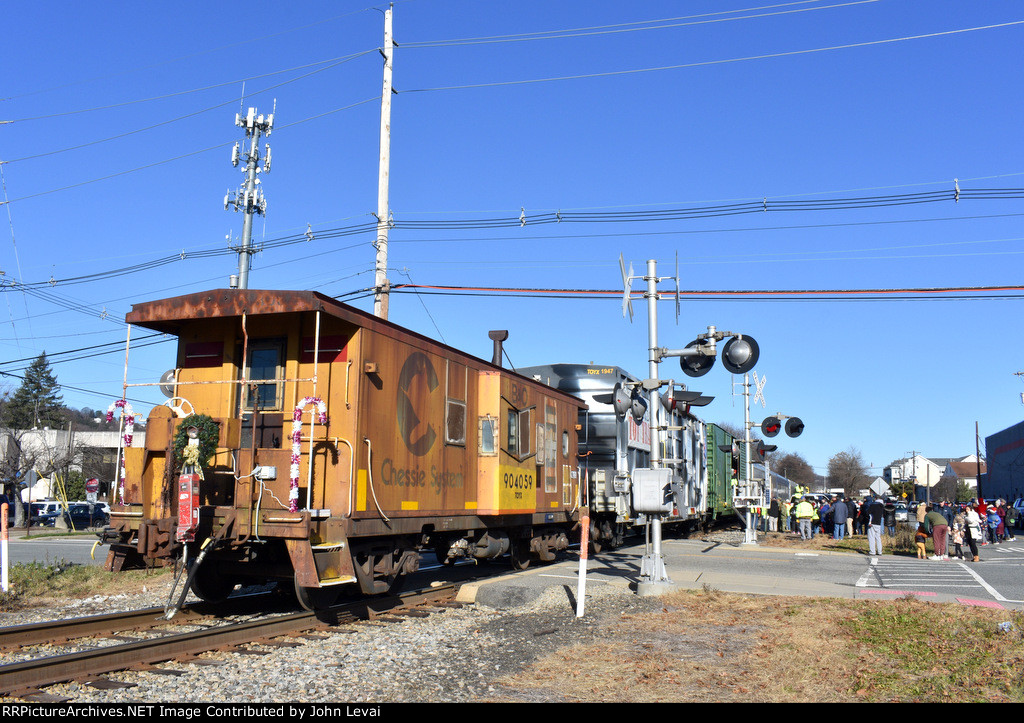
[(794, 427), (771, 426), (763, 449), (697, 365)]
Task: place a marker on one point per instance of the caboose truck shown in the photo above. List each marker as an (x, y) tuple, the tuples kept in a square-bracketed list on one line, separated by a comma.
[(341, 445)]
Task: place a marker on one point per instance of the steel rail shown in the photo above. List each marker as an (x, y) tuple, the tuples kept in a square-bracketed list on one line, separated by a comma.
[(27, 677), (106, 624), (57, 631)]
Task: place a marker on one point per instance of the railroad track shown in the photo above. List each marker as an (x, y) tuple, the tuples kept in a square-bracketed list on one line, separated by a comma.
[(111, 624), (26, 679)]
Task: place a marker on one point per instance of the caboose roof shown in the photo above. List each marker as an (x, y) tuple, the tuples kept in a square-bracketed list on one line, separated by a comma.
[(168, 315)]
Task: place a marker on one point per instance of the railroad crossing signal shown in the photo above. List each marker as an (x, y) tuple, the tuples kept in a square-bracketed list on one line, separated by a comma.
[(763, 449)]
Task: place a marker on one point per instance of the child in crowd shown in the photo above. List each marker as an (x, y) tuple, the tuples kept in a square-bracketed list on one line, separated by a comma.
[(956, 534), (920, 538)]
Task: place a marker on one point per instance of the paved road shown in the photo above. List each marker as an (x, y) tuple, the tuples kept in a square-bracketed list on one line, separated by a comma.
[(43, 548), (998, 581)]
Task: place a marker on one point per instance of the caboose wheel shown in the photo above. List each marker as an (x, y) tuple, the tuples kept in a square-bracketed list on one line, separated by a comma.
[(441, 553), (316, 598), (520, 554), (209, 585), (377, 571)]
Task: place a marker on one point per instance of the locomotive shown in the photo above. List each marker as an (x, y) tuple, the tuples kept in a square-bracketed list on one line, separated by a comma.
[(311, 443), (705, 459)]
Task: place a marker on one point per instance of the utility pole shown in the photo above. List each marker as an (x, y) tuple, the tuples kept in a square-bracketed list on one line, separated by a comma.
[(977, 455), (249, 199), (380, 283), (913, 470)]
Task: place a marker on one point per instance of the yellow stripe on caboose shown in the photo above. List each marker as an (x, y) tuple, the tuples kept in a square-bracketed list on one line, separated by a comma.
[(361, 491)]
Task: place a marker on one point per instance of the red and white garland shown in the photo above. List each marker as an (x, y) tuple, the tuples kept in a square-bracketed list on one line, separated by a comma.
[(293, 493), (128, 417)]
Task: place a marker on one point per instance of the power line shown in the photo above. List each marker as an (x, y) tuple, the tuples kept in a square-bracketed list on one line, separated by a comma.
[(947, 293), (640, 25), (704, 63), (749, 207)]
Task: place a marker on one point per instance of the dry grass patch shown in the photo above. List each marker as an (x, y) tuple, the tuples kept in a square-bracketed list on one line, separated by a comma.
[(42, 584), (711, 646)]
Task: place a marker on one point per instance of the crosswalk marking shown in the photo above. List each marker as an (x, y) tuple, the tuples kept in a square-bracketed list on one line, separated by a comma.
[(920, 574)]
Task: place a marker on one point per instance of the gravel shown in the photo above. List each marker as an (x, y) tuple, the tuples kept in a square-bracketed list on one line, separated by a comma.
[(454, 655)]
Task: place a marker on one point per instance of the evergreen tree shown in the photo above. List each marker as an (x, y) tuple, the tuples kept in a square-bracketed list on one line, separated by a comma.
[(37, 401)]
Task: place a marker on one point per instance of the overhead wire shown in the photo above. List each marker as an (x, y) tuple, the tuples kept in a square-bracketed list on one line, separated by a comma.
[(178, 118), (948, 292), (639, 25), (558, 217), (706, 63)]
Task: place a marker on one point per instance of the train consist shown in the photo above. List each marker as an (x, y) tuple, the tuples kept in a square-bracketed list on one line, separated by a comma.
[(615, 440), (311, 443)]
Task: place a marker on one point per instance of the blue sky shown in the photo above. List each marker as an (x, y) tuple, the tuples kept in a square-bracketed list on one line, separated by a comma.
[(118, 157)]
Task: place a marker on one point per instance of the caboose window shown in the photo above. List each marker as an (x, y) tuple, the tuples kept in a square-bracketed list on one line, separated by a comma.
[(512, 444), (266, 361), (455, 422), (488, 436), (520, 428)]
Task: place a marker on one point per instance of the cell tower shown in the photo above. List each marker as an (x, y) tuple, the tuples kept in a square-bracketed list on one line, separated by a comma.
[(249, 198)]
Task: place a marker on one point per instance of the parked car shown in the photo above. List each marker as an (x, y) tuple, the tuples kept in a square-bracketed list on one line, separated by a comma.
[(43, 514), (78, 515), (1018, 504), (82, 515), (902, 514)]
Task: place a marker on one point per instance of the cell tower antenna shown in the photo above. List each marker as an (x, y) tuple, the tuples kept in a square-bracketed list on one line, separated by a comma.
[(249, 198)]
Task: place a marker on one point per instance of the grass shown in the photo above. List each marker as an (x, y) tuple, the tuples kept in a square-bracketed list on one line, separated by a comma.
[(41, 583), (707, 646), (900, 544)]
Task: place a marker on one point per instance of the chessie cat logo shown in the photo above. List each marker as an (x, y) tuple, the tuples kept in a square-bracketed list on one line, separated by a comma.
[(416, 383)]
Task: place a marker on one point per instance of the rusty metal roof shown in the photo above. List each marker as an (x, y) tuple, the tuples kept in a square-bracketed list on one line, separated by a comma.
[(166, 315)]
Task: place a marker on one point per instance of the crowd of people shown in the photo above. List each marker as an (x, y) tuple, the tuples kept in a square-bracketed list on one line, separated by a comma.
[(952, 527)]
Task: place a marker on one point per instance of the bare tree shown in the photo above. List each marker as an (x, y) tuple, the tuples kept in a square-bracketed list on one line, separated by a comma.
[(846, 470), (796, 469)]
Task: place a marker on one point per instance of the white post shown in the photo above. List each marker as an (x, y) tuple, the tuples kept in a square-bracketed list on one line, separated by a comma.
[(581, 583), (5, 583)]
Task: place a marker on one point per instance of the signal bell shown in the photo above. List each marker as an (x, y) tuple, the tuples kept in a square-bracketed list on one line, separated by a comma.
[(740, 354)]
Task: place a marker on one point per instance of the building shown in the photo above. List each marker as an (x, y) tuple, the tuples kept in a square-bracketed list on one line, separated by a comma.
[(1005, 453), (59, 450), (927, 472)]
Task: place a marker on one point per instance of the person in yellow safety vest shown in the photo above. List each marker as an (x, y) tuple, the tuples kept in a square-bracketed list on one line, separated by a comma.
[(804, 515)]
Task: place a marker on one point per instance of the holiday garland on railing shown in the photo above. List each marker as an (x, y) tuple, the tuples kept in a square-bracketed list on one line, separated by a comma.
[(128, 417), (293, 492)]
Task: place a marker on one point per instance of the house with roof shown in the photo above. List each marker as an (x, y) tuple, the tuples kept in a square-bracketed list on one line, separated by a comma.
[(966, 470), (927, 472)]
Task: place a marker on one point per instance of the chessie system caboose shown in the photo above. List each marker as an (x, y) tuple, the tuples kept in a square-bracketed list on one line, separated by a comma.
[(309, 441)]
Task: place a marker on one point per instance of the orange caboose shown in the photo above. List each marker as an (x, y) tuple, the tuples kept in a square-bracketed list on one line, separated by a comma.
[(338, 447)]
